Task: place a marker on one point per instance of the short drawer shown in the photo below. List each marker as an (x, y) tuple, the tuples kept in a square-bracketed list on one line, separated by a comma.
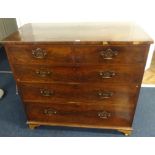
[(79, 93), (40, 54), (111, 54), (95, 116), (73, 54), (98, 74)]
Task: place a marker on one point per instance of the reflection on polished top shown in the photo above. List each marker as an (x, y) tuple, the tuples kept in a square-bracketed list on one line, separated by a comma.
[(109, 32)]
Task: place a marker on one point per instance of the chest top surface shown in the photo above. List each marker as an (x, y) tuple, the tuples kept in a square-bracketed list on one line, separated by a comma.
[(110, 32)]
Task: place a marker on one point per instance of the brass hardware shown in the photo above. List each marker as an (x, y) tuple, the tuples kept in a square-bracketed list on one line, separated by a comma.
[(104, 95), (107, 74), (49, 111), (104, 114), (46, 92), (39, 53), (108, 54), (43, 73)]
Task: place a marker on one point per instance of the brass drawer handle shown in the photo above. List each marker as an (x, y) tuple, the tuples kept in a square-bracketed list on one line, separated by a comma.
[(43, 73), (108, 54), (49, 111), (46, 92), (107, 74), (104, 114), (104, 95), (39, 53)]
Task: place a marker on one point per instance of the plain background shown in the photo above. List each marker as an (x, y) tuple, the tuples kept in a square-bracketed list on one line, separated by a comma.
[(139, 11)]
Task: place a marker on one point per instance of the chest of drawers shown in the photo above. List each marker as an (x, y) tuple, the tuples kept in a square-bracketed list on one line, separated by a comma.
[(80, 75)]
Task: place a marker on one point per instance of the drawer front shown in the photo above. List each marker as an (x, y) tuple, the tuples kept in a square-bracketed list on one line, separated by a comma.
[(104, 73), (79, 93), (40, 54), (95, 116), (73, 55), (111, 54)]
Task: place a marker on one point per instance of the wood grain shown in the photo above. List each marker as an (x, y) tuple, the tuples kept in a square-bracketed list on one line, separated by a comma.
[(79, 93), (81, 115), (74, 55), (79, 73), (80, 33), (59, 70)]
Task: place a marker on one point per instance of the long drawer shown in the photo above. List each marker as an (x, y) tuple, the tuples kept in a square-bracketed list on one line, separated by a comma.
[(66, 114), (100, 74), (71, 55), (79, 93)]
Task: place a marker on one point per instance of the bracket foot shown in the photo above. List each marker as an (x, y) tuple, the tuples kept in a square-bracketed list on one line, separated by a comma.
[(125, 132), (33, 126)]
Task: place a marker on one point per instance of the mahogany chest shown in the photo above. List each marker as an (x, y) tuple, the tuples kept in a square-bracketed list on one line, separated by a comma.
[(79, 74)]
